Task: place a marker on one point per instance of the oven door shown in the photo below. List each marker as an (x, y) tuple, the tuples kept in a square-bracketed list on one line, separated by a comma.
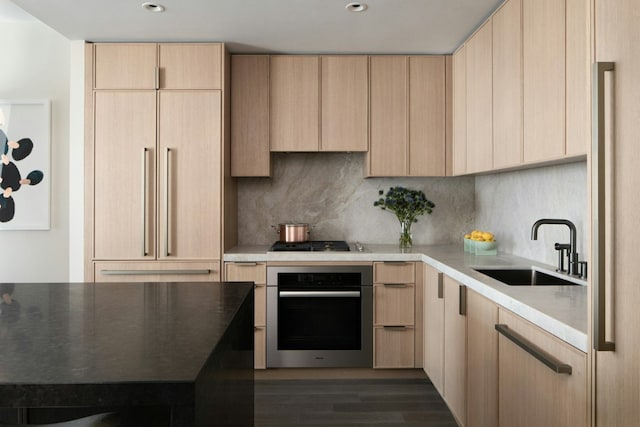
[(319, 317)]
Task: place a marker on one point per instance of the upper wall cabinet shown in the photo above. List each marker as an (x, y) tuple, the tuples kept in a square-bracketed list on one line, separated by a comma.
[(250, 116), (158, 66), (408, 116), (427, 115), (539, 102), (544, 79), (388, 152), (345, 103), (459, 112), (507, 85), (294, 103), (479, 101)]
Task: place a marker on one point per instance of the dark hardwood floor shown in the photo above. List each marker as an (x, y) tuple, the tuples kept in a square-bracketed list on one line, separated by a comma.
[(364, 400)]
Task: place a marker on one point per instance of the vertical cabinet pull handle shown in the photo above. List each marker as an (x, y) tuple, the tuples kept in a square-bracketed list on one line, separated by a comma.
[(157, 78), (167, 204), (462, 302), (440, 285), (145, 248), (599, 215)]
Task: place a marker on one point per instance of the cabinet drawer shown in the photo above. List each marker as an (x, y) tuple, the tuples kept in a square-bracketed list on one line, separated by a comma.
[(394, 272), (393, 347), (255, 272), (260, 347), (156, 271), (393, 304)]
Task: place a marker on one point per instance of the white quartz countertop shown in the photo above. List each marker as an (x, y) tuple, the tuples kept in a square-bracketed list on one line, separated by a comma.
[(560, 310)]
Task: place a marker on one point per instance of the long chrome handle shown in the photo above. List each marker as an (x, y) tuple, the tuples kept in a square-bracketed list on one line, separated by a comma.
[(320, 294), (147, 272), (145, 247), (167, 181), (462, 300), (544, 357), (440, 285), (395, 285), (598, 207)]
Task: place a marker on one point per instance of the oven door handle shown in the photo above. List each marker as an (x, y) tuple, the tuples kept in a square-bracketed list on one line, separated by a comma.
[(319, 294)]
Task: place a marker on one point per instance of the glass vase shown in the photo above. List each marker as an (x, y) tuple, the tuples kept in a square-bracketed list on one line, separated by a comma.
[(406, 241)]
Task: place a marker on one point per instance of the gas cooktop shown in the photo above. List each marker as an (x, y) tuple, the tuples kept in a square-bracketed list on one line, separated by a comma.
[(312, 246)]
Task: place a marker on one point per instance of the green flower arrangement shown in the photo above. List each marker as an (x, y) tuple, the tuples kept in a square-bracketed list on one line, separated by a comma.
[(408, 205)]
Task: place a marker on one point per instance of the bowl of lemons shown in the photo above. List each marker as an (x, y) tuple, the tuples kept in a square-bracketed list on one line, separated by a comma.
[(480, 242)]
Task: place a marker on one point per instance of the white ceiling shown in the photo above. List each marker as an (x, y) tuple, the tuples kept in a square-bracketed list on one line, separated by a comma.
[(283, 26)]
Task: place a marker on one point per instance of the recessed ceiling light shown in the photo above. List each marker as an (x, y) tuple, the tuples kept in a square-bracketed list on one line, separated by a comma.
[(356, 7), (153, 7)]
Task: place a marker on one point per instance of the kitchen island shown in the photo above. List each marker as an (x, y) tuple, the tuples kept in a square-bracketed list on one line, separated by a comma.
[(174, 354)]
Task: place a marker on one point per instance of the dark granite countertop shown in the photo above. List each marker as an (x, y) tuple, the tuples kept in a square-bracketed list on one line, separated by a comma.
[(93, 333)]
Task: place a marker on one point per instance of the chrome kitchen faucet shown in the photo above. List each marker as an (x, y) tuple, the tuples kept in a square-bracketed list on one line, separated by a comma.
[(575, 267)]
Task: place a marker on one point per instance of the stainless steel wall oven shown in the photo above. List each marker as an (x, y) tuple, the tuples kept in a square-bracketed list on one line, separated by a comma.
[(319, 316)]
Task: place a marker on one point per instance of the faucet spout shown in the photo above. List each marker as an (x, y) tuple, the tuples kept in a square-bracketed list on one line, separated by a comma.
[(573, 255)]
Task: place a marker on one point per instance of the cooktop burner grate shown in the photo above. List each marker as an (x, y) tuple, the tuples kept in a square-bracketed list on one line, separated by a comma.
[(312, 246)]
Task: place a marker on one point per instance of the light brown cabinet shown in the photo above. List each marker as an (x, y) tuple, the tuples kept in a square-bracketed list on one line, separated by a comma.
[(255, 272), (427, 115), (250, 154), (136, 215), (507, 85), (345, 103), (482, 361), (544, 79), (389, 140), (154, 166), (157, 66), (434, 327), (408, 116), (294, 103), (459, 125), (613, 258), (143, 271), (394, 310), (479, 156), (445, 342), (455, 349), (533, 392)]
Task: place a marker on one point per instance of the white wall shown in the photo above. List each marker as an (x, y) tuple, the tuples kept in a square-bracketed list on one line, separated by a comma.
[(509, 203), (35, 64)]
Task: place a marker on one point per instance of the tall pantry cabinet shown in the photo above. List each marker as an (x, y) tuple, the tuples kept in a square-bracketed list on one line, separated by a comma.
[(615, 200), (156, 161)]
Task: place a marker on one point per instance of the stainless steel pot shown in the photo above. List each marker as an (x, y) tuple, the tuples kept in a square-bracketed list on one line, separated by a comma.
[(293, 233)]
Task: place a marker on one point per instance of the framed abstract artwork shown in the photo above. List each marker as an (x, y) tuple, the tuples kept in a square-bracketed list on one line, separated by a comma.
[(25, 176)]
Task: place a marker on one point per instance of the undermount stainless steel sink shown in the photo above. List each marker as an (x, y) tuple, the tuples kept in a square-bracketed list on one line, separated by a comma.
[(527, 277)]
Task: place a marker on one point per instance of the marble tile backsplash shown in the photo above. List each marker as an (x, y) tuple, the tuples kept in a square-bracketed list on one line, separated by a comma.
[(509, 203), (328, 191)]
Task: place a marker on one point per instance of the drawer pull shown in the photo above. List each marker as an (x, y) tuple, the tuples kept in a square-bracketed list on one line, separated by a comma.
[(245, 264), (395, 328), (462, 300), (440, 285), (544, 357), (395, 262), (149, 272), (395, 285)]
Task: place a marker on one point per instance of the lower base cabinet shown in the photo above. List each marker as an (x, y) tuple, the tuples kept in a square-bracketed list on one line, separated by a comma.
[(545, 389), (482, 361), (394, 347), (156, 271), (255, 272)]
